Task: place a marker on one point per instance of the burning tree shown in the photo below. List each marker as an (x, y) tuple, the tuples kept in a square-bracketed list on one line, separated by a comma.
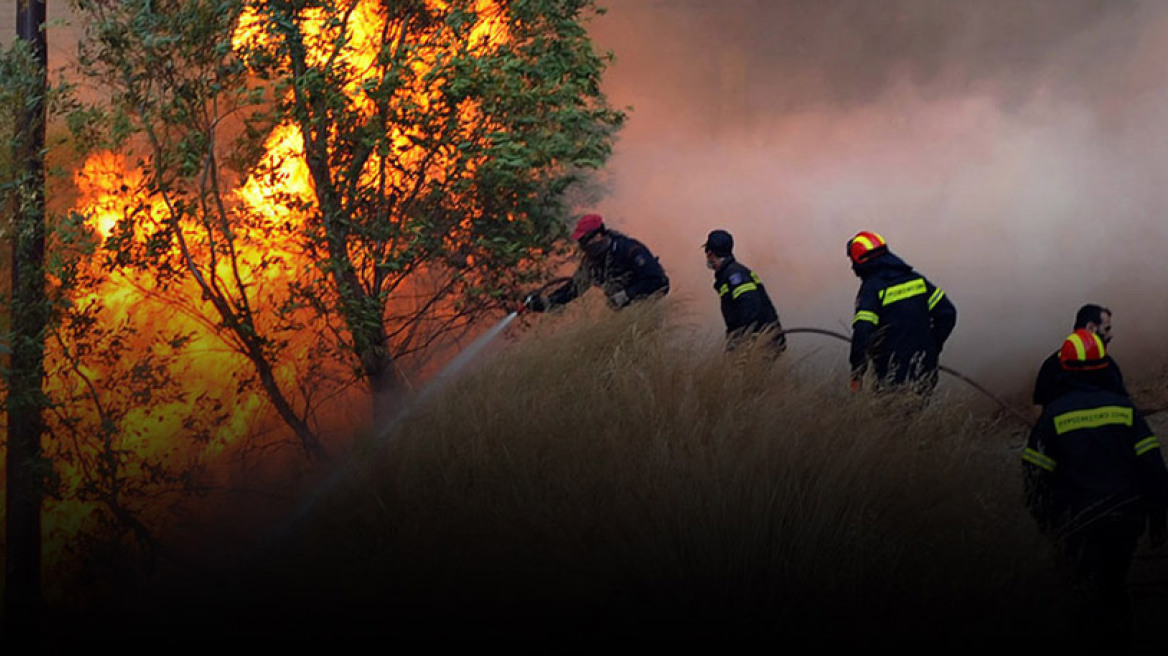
[(350, 181), (275, 202)]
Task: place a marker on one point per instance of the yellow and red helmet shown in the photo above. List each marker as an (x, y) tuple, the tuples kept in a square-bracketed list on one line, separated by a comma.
[(865, 246), (1082, 350)]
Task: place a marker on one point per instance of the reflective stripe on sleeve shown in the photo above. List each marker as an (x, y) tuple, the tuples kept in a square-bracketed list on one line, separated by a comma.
[(936, 298), (864, 315), (742, 289), (1147, 444), (1039, 460)]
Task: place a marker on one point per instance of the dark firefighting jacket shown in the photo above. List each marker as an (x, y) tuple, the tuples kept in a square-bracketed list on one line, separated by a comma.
[(626, 266), (1091, 454), (746, 306), (901, 321), (1051, 379)]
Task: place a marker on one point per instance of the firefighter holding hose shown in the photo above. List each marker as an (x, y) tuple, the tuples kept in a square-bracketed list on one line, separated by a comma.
[(622, 267)]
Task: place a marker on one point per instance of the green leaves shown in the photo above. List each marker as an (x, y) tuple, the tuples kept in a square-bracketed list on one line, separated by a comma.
[(440, 142)]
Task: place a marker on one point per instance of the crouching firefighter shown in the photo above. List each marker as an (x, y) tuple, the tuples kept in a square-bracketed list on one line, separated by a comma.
[(617, 264)]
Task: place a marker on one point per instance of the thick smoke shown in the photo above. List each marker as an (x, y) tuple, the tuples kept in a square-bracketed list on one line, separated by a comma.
[(1015, 153)]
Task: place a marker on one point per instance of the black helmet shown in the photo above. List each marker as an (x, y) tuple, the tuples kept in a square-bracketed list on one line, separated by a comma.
[(720, 243)]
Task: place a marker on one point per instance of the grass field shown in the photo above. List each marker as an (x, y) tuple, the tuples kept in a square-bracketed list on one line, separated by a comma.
[(610, 480)]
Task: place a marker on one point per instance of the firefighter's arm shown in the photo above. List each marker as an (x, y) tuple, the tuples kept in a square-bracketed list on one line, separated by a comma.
[(943, 314), (1037, 468), (1153, 480), (570, 290), (865, 322)]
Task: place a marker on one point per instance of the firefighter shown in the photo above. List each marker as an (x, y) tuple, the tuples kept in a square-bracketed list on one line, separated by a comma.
[(618, 264), (901, 319), (1094, 318), (746, 307), (1095, 480)]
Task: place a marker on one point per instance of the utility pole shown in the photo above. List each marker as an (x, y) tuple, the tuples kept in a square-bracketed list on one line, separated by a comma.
[(23, 616)]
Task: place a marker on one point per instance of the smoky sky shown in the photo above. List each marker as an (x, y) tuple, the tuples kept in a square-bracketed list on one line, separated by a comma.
[(1013, 152), (803, 55)]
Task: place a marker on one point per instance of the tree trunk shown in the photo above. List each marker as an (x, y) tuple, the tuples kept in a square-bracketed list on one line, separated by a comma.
[(25, 469), (384, 379), (361, 311)]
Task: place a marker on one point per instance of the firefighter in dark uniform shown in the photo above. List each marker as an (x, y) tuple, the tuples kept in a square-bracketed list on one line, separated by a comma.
[(1048, 382), (618, 264), (746, 307), (901, 319), (1095, 481)]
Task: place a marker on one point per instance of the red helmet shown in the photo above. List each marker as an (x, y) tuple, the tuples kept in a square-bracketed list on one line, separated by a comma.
[(1082, 350), (588, 224), (865, 246)]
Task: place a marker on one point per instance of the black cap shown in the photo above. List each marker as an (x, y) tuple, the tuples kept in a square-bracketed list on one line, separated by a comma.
[(719, 242)]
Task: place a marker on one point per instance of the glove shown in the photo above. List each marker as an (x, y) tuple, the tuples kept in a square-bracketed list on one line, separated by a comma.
[(619, 299), (535, 302)]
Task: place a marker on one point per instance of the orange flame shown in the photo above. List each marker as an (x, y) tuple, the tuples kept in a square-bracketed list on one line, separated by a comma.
[(268, 265)]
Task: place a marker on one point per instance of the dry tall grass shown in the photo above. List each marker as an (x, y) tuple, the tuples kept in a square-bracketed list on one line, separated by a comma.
[(611, 478), (616, 476)]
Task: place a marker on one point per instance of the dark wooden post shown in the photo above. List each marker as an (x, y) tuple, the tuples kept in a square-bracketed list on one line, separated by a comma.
[(25, 475)]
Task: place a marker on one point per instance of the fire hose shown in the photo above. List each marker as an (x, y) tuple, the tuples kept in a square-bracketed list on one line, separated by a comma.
[(1013, 412), (539, 292), (820, 331), (956, 374)]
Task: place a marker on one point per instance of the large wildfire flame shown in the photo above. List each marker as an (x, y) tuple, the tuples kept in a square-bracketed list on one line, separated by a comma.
[(177, 333)]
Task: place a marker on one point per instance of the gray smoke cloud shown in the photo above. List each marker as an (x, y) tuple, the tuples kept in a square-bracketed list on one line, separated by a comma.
[(1014, 152)]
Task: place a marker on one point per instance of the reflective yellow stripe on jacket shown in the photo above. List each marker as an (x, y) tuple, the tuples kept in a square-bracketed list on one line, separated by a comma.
[(890, 295), (864, 315), (1037, 459), (1147, 444), (1108, 415), (936, 298), (741, 289)]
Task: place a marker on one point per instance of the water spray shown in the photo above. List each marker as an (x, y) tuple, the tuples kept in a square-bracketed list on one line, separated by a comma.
[(381, 440), (454, 366)]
